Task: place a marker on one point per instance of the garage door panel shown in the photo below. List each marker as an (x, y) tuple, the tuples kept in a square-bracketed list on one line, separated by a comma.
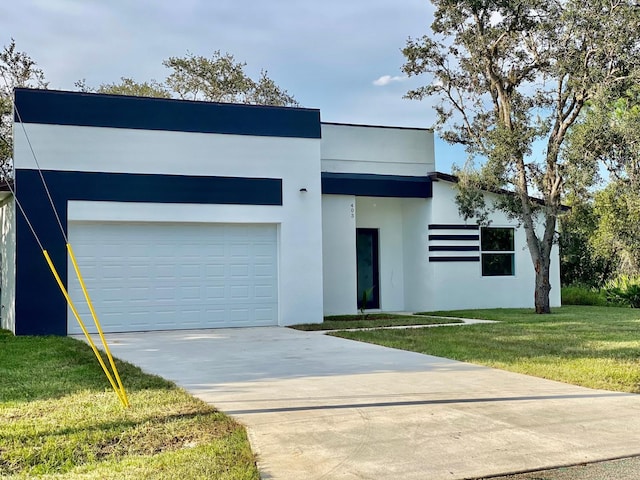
[(264, 314), (171, 276), (214, 270), (215, 293), (263, 292)]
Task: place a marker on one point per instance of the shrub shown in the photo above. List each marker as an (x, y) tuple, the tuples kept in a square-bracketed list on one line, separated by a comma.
[(582, 295), (623, 291)]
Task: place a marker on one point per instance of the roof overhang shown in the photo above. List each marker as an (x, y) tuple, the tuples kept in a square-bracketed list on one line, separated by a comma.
[(447, 177), (372, 185)]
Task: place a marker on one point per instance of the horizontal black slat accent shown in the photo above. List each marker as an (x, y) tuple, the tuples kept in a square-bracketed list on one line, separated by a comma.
[(454, 259), (451, 226), (454, 248), (117, 111), (455, 237), (371, 185)]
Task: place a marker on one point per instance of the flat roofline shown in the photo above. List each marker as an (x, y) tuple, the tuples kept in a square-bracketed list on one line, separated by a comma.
[(162, 99), (421, 129), (447, 177), (58, 107)]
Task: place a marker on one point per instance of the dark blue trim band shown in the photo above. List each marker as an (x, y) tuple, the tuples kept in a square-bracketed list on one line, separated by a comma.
[(46, 312), (116, 111), (139, 187), (454, 248), (455, 237), (449, 226), (454, 259), (370, 185)]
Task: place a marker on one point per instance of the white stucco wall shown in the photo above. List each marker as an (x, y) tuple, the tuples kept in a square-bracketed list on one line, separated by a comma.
[(377, 150), (461, 284), (294, 160), (7, 264), (419, 283), (339, 254), (103, 149)]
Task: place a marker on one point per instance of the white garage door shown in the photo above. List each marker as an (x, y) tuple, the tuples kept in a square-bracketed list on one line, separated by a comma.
[(165, 276)]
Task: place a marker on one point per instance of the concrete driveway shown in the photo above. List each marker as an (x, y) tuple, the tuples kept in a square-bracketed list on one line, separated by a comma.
[(318, 407)]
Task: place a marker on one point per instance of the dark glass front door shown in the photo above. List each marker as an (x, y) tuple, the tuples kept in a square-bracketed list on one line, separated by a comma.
[(367, 265)]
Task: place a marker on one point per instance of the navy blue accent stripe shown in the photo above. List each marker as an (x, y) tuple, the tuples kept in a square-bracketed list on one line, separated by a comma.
[(135, 187), (455, 237), (454, 248), (454, 259), (371, 185), (116, 111), (450, 226), (40, 308)]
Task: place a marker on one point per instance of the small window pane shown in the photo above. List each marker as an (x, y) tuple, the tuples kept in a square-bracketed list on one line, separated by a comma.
[(497, 239), (497, 264)]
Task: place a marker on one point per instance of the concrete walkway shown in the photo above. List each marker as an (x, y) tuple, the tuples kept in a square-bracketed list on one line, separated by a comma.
[(319, 407), (462, 321)]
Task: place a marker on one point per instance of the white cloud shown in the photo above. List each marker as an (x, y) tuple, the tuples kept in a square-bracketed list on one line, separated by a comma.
[(387, 79)]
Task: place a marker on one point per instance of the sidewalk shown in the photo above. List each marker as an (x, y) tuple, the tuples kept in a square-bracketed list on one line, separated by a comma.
[(463, 321)]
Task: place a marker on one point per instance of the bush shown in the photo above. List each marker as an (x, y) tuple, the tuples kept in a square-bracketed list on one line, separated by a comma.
[(623, 291), (582, 295)]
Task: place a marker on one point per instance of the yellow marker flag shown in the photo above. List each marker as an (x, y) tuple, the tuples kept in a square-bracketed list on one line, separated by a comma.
[(120, 393)]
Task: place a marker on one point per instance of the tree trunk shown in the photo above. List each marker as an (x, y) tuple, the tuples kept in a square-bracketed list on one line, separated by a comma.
[(543, 286)]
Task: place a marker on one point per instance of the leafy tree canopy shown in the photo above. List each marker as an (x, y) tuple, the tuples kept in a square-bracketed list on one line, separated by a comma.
[(17, 69), (193, 77), (582, 261), (617, 235), (509, 74), (128, 86), (608, 133)]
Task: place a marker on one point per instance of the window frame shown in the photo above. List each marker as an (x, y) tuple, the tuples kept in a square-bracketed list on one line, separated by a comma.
[(486, 252)]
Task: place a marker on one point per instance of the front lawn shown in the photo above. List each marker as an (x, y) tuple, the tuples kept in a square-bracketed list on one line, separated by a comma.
[(596, 347), (59, 418), (372, 320)]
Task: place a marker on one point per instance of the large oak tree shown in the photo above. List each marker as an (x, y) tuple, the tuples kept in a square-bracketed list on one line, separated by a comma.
[(510, 75)]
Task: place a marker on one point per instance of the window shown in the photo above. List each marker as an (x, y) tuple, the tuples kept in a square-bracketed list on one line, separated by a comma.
[(498, 254)]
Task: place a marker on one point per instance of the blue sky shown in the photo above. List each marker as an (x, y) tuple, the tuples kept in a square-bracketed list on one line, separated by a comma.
[(343, 57)]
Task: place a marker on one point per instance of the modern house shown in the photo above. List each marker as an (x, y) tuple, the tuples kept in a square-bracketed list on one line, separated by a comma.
[(189, 215)]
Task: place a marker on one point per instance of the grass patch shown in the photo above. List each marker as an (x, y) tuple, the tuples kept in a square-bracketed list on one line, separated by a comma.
[(372, 320), (59, 418), (579, 295), (597, 347)]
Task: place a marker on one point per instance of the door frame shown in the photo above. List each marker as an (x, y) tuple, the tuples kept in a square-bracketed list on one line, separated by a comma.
[(374, 301)]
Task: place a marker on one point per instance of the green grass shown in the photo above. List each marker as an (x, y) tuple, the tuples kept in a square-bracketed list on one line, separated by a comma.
[(579, 295), (60, 419), (372, 320), (596, 347)]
